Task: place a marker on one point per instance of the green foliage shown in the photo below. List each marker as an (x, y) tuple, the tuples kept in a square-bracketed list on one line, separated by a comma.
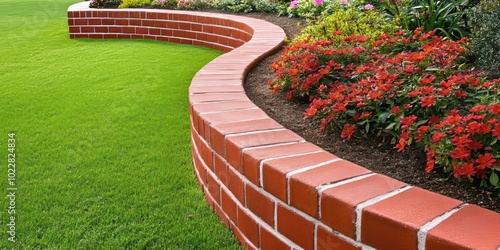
[(350, 21), (192, 4), (485, 23), (164, 4), (134, 3), (245, 6), (445, 16)]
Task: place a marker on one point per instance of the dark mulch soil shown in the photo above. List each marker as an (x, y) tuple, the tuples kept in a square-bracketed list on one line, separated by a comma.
[(407, 166)]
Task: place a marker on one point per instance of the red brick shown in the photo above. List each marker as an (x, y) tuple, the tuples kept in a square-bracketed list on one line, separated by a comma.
[(190, 35), (260, 204), (101, 29), (269, 241), (218, 132), (222, 216), (135, 14), (109, 36), (165, 32), (94, 21), (222, 106), (108, 21), (163, 16), (178, 33), (338, 204), (115, 29), (274, 171), (80, 21), (154, 31), (208, 28), (96, 36), (212, 38), (200, 98), (236, 185), (253, 157), (201, 36), (220, 170), (207, 155), (213, 187), (235, 144), (248, 226), (121, 21), (393, 223), (471, 227), (172, 25), (74, 29), (160, 24), (327, 240), (140, 30), (236, 231), (196, 27), (148, 23), (135, 22), (208, 197), (87, 29), (228, 205), (303, 193), (151, 15), (129, 30), (295, 227), (201, 169)]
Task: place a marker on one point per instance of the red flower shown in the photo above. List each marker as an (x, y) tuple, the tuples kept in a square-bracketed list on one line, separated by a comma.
[(473, 127), (460, 153), (395, 110), (452, 120), (348, 131), (401, 145), (427, 79), (496, 131), (495, 109), (413, 93), (461, 140), (485, 161), (437, 137), (406, 122), (468, 169), (428, 101), (430, 166), (474, 145)]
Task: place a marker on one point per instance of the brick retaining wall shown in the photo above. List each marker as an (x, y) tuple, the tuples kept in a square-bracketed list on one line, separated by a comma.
[(273, 189)]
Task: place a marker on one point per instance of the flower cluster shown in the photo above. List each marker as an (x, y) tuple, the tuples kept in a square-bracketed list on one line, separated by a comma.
[(402, 85)]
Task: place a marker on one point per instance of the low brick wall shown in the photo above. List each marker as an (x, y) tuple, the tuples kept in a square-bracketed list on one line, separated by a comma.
[(272, 188)]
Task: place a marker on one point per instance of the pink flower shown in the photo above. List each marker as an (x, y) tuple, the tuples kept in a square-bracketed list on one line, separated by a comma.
[(344, 2), (318, 2), (369, 6), (294, 4)]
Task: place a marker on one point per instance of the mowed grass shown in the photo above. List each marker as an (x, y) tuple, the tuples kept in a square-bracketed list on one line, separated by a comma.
[(103, 151)]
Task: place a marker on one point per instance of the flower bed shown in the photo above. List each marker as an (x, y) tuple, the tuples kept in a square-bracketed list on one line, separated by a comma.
[(270, 187)]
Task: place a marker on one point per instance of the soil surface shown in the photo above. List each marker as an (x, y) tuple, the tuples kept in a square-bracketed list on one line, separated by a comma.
[(407, 166)]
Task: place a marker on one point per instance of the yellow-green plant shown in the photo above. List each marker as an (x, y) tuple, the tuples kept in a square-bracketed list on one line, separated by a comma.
[(134, 3), (350, 21)]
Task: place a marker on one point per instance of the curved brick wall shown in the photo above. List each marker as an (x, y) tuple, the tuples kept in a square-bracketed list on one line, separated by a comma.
[(272, 188)]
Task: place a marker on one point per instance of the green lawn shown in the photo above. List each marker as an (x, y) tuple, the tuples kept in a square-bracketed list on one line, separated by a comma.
[(102, 150)]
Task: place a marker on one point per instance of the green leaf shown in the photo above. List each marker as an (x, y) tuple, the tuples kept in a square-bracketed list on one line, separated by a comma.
[(422, 122), (383, 117), (433, 68), (484, 183), (390, 126), (367, 127), (494, 179)]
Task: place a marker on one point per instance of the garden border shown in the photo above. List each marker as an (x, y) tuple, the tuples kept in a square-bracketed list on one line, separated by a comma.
[(272, 188)]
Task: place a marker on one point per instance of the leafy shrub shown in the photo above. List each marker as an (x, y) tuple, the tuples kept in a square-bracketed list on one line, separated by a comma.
[(445, 16), (164, 4), (350, 21), (245, 6), (97, 3), (134, 3), (315, 8), (191, 4), (265, 6), (485, 23), (401, 85)]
